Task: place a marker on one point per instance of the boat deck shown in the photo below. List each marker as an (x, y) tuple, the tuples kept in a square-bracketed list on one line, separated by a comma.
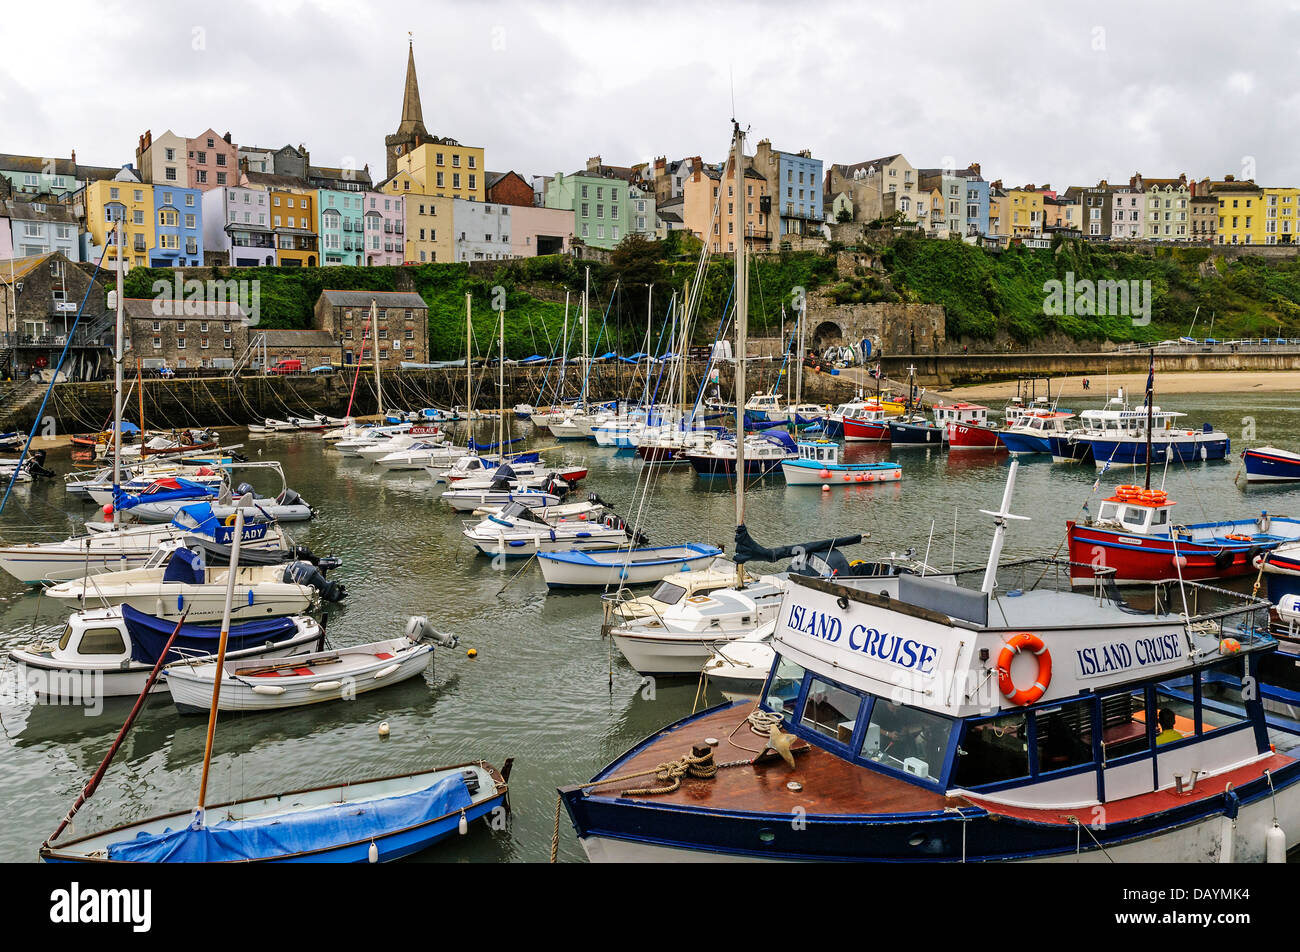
[(829, 785), (1146, 804)]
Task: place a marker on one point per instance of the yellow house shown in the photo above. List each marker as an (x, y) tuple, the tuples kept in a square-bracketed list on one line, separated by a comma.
[(293, 223), (1280, 218), (1241, 213), (443, 168), (132, 201), (429, 229), (1026, 207), (999, 213)]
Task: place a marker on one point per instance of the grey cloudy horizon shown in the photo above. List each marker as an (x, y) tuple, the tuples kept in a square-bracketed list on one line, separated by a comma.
[(1032, 93)]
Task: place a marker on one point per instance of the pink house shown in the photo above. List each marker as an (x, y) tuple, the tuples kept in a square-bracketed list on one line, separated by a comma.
[(384, 240), (213, 160), (539, 231), (1126, 213)]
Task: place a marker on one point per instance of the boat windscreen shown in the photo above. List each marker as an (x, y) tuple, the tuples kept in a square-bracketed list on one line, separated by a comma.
[(668, 593)]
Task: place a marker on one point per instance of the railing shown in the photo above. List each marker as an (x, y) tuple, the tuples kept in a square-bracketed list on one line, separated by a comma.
[(84, 337)]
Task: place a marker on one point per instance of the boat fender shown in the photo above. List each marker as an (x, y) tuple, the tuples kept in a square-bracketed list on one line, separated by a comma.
[(1015, 643), (1264, 522), (1223, 559), (327, 686), (1275, 844), (1255, 552), (272, 689), (385, 672)]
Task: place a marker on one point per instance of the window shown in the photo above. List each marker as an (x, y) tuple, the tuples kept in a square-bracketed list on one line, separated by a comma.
[(438, 158), (439, 177), (906, 739), (1064, 736), (169, 174), (471, 181), (203, 345), (227, 345), (157, 345), (139, 195), (180, 345), (993, 750), (455, 161), (830, 710), (455, 180), (470, 159)]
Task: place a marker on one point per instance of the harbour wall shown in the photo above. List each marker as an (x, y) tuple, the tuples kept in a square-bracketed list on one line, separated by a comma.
[(223, 401)]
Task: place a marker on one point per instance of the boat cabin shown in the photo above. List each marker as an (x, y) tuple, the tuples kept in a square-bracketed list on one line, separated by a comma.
[(966, 413), (950, 689), (820, 452), (1042, 422), (1137, 510), (764, 402), (1130, 423)]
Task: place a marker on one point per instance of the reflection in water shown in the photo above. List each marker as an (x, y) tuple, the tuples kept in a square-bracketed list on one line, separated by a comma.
[(539, 690)]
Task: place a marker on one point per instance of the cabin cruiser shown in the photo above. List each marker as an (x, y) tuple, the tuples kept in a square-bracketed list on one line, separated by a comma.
[(519, 531), (987, 720), (1119, 437), (764, 454)]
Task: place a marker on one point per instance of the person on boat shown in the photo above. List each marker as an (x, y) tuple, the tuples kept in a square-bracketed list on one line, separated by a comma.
[(1166, 718)]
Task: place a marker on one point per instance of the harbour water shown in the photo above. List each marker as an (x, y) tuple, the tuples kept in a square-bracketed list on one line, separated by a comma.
[(544, 687)]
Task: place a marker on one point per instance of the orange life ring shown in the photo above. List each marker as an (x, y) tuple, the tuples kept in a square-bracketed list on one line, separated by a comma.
[(1031, 695), (1238, 537)]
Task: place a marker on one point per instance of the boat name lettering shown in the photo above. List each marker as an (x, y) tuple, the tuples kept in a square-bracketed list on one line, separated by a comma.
[(1120, 656), (898, 650)]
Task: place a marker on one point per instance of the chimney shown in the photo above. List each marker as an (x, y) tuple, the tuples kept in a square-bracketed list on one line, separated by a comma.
[(74, 157), (1229, 178), (593, 164), (1182, 178), (975, 167), (227, 138)]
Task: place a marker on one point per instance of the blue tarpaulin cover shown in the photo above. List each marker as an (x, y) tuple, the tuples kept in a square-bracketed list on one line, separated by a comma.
[(162, 490), (149, 635), (302, 831)]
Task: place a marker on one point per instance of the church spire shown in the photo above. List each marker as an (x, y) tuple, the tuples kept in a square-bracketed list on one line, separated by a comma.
[(412, 117)]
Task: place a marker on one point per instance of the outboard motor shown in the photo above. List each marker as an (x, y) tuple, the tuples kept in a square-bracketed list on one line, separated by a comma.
[(289, 498), (300, 553), (419, 629), (243, 489), (304, 573), (36, 465)]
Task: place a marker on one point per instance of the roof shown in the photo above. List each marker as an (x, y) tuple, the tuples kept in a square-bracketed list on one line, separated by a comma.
[(382, 298), (342, 175), (36, 163), (848, 170), (96, 173), (21, 267), (292, 231), (299, 338), (271, 180), (152, 309), (674, 216), (27, 211)]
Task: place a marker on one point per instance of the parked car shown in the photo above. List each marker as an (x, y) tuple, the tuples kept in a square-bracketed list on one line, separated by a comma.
[(287, 366)]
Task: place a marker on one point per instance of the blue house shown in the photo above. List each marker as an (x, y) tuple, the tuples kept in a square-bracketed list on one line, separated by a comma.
[(977, 203), (178, 227), (794, 186)]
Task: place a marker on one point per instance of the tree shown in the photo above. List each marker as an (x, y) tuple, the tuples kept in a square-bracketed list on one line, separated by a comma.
[(843, 215)]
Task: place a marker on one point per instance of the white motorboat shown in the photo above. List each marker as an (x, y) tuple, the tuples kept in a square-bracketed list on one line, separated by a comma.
[(618, 567), (126, 547), (519, 531), (177, 579), (421, 454), (467, 500), (338, 675), (271, 425), (109, 652)]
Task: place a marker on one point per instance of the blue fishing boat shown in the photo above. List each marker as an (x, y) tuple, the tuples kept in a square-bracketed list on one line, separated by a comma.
[(915, 431)]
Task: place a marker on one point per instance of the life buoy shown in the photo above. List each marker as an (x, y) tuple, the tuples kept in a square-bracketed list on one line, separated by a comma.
[(1015, 643), (230, 520), (1238, 537)]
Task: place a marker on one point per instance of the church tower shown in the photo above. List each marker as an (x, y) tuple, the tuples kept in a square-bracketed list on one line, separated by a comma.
[(410, 131)]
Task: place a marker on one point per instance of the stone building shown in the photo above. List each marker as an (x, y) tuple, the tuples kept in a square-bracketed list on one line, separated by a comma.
[(314, 348), (402, 318), (38, 311), (184, 335)]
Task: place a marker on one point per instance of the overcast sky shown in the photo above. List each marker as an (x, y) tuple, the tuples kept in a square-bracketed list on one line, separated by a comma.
[(1035, 92)]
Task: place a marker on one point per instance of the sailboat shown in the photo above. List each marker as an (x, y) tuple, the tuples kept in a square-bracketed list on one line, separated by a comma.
[(362, 820)]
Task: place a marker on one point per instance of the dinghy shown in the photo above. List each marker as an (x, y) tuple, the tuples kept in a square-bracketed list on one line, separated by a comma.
[(618, 567), (315, 678), (519, 531)]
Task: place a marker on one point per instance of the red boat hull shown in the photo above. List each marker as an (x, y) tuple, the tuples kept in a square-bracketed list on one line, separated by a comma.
[(1139, 558), (968, 436), (865, 431)]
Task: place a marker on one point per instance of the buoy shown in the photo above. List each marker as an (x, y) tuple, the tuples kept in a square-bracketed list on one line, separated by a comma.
[(108, 509), (1180, 561), (1275, 845), (825, 488), (373, 853), (847, 477), (825, 474), (1229, 646), (383, 729), (463, 824), (472, 653)]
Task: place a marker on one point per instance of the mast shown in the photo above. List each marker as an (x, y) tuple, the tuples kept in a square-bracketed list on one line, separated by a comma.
[(117, 381), (586, 292), (564, 350), (221, 663), (798, 386), (681, 354), (469, 375), (501, 386), (374, 340), (645, 389), (1151, 394), (742, 322)]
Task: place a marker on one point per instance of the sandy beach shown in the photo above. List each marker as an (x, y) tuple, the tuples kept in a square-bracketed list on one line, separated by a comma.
[(1283, 381)]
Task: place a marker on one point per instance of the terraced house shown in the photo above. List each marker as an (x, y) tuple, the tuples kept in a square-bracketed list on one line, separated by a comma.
[(1241, 206), (794, 186), (37, 175), (606, 208), (1280, 215), (1096, 208), (717, 211), (37, 228), (163, 160), (122, 197), (1167, 208), (178, 227), (237, 227), (213, 160)]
